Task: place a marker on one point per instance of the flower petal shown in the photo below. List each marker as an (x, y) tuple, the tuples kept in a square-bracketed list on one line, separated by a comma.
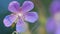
[(21, 26), (27, 6), (31, 17), (55, 7), (9, 20), (50, 25), (57, 31), (14, 6)]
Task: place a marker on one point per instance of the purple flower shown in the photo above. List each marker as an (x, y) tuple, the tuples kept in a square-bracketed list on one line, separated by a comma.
[(53, 23), (20, 15)]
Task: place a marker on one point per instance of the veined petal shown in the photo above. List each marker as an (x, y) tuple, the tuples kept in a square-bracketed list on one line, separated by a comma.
[(31, 17), (21, 26), (9, 20), (27, 6), (50, 25), (14, 6)]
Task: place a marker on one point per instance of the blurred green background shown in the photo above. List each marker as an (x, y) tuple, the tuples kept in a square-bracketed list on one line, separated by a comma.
[(41, 7)]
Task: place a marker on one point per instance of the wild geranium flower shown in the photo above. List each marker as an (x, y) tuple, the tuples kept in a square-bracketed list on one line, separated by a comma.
[(53, 23), (20, 15)]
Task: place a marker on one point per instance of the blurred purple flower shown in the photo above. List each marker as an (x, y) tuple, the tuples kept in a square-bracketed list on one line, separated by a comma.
[(53, 23), (20, 15), (55, 7)]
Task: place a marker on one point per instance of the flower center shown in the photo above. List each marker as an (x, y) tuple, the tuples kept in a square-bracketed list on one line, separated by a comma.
[(20, 14), (57, 16)]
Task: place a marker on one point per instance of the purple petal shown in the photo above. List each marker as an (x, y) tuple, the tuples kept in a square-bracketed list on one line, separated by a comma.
[(21, 26), (27, 6), (55, 7), (9, 20), (50, 25), (31, 17), (14, 6), (57, 31)]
